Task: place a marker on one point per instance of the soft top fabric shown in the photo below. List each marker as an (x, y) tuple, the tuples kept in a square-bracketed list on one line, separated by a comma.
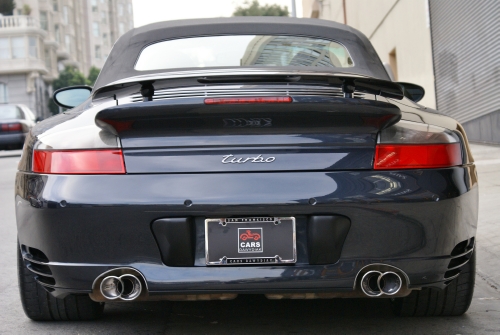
[(121, 61)]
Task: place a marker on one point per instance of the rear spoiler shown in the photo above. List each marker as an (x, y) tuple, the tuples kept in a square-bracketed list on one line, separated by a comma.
[(349, 84), (174, 115)]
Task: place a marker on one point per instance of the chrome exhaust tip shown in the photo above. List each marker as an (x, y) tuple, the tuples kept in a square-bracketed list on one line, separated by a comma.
[(126, 287), (111, 287), (389, 283), (132, 287), (369, 284)]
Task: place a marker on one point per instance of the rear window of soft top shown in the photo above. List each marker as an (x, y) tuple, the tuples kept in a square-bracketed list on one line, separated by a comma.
[(243, 51)]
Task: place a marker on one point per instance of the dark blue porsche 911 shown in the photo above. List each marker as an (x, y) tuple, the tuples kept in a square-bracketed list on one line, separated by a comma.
[(220, 157)]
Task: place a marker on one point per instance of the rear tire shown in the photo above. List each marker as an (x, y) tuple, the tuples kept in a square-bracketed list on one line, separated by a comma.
[(40, 305), (454, 300)]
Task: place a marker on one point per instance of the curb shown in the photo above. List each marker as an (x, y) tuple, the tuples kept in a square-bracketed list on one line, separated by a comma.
[(11, 153)]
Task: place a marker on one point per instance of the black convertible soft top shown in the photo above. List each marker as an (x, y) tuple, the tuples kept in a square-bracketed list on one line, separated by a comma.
[(123, 56)]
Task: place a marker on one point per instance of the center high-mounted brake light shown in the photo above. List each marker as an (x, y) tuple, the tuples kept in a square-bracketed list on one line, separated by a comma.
[(96, 161), (412, 145), (248, 100)]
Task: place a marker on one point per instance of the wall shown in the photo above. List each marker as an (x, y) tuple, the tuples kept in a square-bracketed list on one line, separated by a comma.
[(391, 25)]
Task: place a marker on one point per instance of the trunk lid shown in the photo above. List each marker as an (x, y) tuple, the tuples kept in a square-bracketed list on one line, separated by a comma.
[(187, 136)]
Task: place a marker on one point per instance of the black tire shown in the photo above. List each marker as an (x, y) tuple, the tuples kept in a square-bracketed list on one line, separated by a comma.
[(39, 305), (454, 300)]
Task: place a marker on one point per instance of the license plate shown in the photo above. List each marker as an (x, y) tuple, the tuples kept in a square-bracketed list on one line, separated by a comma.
[(253, 240)]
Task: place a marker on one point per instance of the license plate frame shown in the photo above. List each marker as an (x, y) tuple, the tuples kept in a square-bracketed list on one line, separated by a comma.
[(277, 237)]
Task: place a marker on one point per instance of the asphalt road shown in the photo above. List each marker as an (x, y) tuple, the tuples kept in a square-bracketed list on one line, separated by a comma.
[(255, 314)]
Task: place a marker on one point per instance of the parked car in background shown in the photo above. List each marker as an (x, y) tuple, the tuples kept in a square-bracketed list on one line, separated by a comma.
[(15, 122), (249, 155)]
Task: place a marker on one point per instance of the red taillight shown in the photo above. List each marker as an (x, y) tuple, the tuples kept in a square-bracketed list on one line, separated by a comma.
[(248, 100), (12, 127), (417, 156), (105, 161)]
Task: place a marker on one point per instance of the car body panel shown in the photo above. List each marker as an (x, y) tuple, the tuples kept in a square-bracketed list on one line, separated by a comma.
[(186, 161)]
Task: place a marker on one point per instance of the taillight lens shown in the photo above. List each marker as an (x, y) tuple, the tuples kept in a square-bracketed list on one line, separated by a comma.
[(105, 161), (12, 126), (412, 145), (248, 100)]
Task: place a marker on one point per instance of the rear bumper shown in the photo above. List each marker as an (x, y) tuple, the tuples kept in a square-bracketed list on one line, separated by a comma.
[(86, 225), (9, 139)]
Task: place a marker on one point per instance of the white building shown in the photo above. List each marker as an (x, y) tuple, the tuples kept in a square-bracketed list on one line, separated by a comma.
[(450, 47), (36, 44)]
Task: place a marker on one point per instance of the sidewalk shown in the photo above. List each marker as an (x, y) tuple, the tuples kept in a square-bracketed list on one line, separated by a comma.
[(488, 232)]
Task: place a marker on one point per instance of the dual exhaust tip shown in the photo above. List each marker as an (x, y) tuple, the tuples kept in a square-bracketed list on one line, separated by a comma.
[(376, 283), (126, 287)]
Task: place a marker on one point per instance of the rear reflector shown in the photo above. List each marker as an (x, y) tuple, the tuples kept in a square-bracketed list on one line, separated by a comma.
[(249, 100), (12, 127), (416, 156), (103, 161)]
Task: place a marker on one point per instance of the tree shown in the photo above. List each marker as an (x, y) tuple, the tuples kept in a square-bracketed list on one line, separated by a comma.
[(71, 76), (7, 7), (93, 73), (255, 9)]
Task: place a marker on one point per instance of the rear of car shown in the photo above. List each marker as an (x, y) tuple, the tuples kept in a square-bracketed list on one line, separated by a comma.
[(15, 123), (208, 183)]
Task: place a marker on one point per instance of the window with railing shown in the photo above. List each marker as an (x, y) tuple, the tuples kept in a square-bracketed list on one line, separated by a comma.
[(120, 9), (94, 6), (104, 17), (55, 5), (98, 51)]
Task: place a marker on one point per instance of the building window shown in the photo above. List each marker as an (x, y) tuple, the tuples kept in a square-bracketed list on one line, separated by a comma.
[(33, 52), (98, 51), (104, 16), (18, 47), (56, 32), (95, 29), (3, 93), (4, 48), (44, 22), (55, 5), (105, 39), (94, 6), (120, 9), (130, 8), (67, 41), (48, 60), (65, 15), (121, 28)]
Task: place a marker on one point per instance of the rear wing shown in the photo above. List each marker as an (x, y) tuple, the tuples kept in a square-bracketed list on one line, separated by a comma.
[(147, 85)]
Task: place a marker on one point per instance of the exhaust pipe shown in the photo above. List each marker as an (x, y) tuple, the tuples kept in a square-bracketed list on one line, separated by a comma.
[(369, 284), (375, 283), (111, 287), (389, 283), (132, 287), (126, 287)]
